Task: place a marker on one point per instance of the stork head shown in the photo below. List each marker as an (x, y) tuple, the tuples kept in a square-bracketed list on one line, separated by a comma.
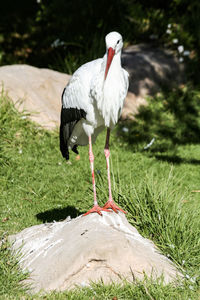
[(114, 44)]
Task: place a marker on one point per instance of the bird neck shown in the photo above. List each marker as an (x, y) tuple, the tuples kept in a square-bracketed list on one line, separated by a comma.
[(110, 102), (115, 66), (116, 60)]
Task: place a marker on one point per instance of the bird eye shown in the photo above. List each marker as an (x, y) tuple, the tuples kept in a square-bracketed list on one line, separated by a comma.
[(118, 41)]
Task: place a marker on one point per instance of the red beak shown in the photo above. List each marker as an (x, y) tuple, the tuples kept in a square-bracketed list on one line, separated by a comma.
[(110, 55)]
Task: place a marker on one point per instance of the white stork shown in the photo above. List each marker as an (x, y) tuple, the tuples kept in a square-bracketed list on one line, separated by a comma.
[(92, 100)]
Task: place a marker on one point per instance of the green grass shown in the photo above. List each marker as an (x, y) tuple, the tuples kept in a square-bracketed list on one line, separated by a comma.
[(156, 188)]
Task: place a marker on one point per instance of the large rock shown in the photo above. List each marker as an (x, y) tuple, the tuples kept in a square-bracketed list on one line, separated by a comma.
[(35, 90), (39, 91), (150, 69), (73, 252)]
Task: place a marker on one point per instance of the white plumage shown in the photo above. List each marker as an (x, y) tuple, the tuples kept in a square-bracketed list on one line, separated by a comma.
[(93, 98), (102, 100)]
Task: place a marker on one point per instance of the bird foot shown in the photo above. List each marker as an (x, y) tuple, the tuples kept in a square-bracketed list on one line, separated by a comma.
[(96, 209), (111, 204)]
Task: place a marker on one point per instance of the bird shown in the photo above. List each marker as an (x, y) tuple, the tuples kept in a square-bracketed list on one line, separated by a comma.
[(92, 101)]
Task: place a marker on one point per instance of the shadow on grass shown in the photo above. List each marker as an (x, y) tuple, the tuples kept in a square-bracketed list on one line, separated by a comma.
[(177, 160), (58, 214)]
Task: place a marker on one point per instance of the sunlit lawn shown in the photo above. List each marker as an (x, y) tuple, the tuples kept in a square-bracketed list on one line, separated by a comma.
[(160, 191)]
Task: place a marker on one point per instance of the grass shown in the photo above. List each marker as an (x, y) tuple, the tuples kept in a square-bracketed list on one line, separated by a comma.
[(155, 187)]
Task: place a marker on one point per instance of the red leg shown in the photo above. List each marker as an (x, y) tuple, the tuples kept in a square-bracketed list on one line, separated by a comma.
[(110, 203), (96, 208)]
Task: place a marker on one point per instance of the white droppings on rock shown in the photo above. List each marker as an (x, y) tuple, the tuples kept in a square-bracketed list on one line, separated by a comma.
[(50, 246)]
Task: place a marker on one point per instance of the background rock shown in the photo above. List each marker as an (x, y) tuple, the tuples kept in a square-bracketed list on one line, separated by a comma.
[(39, 91), (35, 90), (150, 69), (73, 252)]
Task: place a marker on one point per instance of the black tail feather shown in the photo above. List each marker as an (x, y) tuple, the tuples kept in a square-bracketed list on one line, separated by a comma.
[(74, 149), (63, 145), (69, 118)]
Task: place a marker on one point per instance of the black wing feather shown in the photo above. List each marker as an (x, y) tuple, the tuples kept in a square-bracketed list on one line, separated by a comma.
[(69, 118)]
